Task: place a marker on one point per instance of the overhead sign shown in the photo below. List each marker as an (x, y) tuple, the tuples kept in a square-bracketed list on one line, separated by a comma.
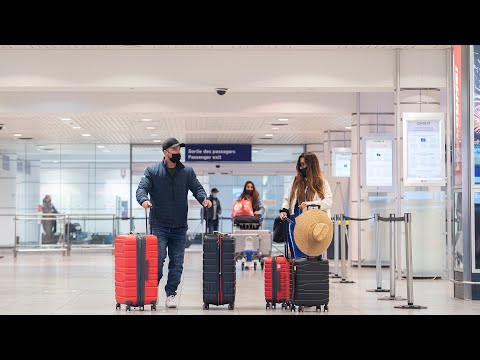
[(218, 152)]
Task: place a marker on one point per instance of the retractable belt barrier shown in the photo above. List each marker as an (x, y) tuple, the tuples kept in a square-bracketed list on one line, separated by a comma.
[(342, 219), (392, 219)]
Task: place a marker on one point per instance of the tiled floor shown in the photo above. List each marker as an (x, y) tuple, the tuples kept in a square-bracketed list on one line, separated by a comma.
[(82, 283)]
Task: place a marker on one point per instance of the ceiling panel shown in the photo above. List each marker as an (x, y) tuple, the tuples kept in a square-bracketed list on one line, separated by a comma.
[(128, 128)]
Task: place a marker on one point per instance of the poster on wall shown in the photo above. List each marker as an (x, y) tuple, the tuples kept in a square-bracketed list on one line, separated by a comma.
[(378, 169), (423, 149), (476, 111), (457, 88), (341, 158)]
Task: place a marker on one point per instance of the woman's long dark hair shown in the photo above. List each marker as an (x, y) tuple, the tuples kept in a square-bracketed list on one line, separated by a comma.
[(254, 196), (314, 180)]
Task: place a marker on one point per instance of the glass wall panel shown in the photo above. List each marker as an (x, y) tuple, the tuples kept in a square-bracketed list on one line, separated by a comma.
[(458, 233)]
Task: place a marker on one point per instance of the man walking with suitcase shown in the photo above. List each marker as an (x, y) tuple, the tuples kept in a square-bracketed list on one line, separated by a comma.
[(168, 183)]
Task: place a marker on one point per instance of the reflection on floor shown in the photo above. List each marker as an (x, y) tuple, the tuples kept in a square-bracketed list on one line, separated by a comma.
[(82, 283)]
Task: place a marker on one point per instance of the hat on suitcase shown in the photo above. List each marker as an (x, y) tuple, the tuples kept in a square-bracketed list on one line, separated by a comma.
[(313, 232)]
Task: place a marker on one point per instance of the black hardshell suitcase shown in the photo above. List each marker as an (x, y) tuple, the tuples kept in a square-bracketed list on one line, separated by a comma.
[(309, 283), (219, 276)]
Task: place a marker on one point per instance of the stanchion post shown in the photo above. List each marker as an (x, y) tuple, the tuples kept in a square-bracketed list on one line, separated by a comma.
[(378, 244), (379, 254), (343, 244), (408, 257), (408, 248), (392, 262), (335, 245), (392, 257)]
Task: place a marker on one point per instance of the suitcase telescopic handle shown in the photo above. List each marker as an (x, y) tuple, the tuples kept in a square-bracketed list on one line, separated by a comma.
[(146, 220), (146, 269), (314, 206)]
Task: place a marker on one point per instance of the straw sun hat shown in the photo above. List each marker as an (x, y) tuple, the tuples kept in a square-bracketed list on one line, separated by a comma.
[(313, 232)]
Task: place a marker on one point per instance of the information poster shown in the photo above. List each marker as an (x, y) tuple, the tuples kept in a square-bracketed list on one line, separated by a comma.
[(378, 163), (423, 149), (341, 158)]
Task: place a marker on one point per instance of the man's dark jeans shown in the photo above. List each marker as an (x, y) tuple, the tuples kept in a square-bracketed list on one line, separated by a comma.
[(173, 241)]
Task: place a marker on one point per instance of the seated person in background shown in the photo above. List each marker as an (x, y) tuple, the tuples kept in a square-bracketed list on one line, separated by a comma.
[(251, 194)]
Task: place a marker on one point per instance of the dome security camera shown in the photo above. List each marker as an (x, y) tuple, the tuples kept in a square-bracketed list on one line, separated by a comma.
[(221, 91), (1, 126), (217, 166)]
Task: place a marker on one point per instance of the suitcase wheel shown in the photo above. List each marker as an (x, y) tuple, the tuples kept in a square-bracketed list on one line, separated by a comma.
[(243, 266), (231, 306), (205, 306), (154, 307), (262, 264), (267, 305), (325, 308), (141, 308), (318, 308), (255, 266), (274, 306), (127, 308), (301, 308), (118, 306)]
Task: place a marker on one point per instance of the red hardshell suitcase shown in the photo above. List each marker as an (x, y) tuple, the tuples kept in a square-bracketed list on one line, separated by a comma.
[(277, 279), (136, 270)]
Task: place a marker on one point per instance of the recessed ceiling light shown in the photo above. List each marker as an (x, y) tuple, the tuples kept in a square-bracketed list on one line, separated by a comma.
[(157, 140), (150, 128), (106, 150), (283, 119), (100, 146), (41, 146), (348, 127), (268, 134), (153, 134), (86, 135), (146, 120), (275, 128), (66, 119), (17, 134), (76, 127)]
